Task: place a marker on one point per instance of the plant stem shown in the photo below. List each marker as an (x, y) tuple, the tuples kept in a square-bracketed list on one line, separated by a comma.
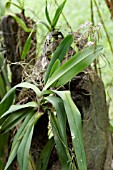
[(92, 13)]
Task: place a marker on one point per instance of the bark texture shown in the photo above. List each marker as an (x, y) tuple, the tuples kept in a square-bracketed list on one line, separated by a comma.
[(14, 40), (89, 95)]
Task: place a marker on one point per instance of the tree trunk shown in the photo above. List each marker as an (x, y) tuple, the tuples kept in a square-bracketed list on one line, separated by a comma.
[(89, 95)]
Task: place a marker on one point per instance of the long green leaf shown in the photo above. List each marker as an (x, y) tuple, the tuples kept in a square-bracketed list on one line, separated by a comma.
[(26, 46), (57, 14), (55, 66), (4, 74), (59, 53), (9, 3), (18, 6), (63, 157), (47, 14), (4, 138), (61, 128), (2, 87), (23, 150), (5, 104), (12, 155), (59, 107), (4, 82), (20, 22), (21, 85), (43, 161), (30, 119), (75, 124), (74, 66), (14, 119), (17, 107), (9, 97), (17, 139)]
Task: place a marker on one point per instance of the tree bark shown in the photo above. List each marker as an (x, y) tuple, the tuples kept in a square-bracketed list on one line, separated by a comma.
[(89, 95)]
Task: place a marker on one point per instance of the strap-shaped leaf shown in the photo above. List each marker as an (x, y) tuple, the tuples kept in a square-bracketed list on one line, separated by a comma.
[(47, 14), (20, 22), (4, 138), (55, 66), (65, 159), (75, 124), (26, 46), (23, 150), (9, 3), (4, 74), (2, 82), (59, 53), (17, 107), (74, 66), (43, 161), (17, 139), (2, 87), (61, 124), (59, 107), (57, 14), (14, 119), (22, 141), (9, 97), (12, 155), (5, 104)]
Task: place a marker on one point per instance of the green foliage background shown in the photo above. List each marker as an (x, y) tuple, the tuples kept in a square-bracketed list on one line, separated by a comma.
[(76, 13)]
